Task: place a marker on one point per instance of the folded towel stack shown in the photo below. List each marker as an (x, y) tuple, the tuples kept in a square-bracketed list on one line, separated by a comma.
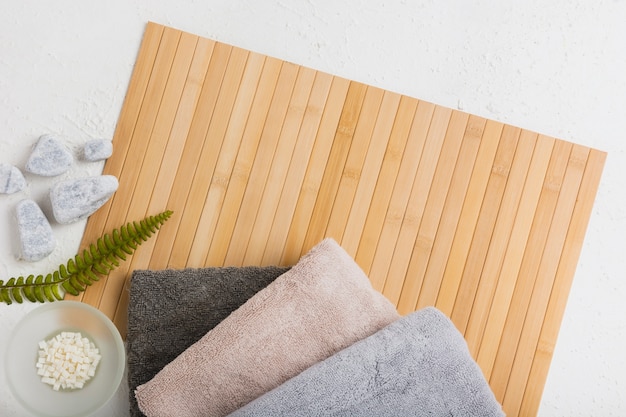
[(316, 339)]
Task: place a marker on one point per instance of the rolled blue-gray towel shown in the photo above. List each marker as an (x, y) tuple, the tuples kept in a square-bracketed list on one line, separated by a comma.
[(417, 366)]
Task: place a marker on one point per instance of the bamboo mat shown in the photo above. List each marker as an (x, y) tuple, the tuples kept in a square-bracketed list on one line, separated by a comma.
[(260, 159)]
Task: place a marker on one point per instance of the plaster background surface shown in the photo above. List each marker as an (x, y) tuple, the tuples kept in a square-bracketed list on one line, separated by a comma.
[(554, 67)]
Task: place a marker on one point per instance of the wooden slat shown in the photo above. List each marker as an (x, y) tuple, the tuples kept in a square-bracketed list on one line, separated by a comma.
[(451, 211), (528, 272), (487, 325), (210, 151), (279, 168), (468, 218), (225, 164), (484, 303), (260, 159), (414, 281), (262, 163), (313, 176), (415, 205), (473, 263), (517, 367), (190, 153), (240, 176), (385, 184), (562, 283), (400, 196), (334, 168), (371, 169), (516, 250), (350, 177), (297, 169)]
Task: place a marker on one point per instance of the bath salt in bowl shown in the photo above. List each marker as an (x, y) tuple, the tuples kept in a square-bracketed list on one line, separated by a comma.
[(63, 321), (67, 361)]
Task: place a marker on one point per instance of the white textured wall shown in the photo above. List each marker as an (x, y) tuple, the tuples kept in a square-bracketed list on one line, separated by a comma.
[(557, 67)]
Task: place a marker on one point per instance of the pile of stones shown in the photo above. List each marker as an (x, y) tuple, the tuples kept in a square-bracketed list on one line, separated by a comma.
[(71, 200)]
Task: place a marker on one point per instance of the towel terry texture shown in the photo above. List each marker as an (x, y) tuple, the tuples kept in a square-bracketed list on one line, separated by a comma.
[(172, 309), (320, 306), (417, 366)]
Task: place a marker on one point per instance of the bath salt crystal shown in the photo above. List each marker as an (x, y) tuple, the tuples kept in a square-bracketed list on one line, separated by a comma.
[(67, 360)]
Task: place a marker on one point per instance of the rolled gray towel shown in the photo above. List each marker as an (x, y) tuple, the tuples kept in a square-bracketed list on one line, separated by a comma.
[(416, 366), (170, 310)]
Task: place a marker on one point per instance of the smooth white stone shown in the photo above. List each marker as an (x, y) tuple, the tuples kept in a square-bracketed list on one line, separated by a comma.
[(76, 199), (49, 157), (11, 179), (36, 238), (97, 150)]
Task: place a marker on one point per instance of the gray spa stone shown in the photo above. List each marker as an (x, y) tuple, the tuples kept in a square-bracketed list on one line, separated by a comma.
[(49, 157), (76, 199), (11, 179), (97, 150), (35, 234)]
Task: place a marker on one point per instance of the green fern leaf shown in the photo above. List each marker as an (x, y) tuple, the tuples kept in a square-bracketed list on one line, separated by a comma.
[(91, 275), (47, 292), (138, 229), (108, 242), (29, 291), (79, 262), (38, 292), (93, 251), (76, 283), (126, 248), (69, 288), (63, 271), (124, 233), (17, 294), (4, 296), (29, 294), (82, 278), (100, 268), (71, 267), (112, 259), (98, 259), (132, 245), (56, 293), (87, 258), (101, 247)]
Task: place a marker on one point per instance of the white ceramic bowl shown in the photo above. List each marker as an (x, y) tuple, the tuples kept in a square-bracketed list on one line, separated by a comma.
[(45, 322)]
